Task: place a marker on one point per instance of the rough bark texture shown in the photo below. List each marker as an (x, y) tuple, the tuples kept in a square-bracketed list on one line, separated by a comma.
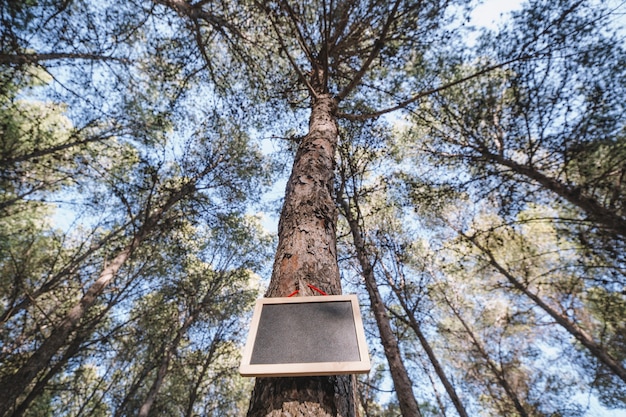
[(307, 254), (307, 248), (399, 375)]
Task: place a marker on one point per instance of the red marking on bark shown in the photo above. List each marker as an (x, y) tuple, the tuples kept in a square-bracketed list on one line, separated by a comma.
[(313, 287)]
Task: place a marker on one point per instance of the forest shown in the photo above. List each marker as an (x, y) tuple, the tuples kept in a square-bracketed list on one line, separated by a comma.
[(165, 163)]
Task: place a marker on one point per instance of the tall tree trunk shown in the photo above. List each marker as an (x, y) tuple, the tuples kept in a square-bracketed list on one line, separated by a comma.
[(75, 346), (122, 408), (399, 375), (199, 376), (307, 254), (12, 386), (144, 410), (40, 385), (595, 348), (169, 350), (71, 268), (497, 372), (413, 323)]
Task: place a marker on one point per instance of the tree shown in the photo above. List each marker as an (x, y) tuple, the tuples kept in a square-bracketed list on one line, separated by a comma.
[(540, 141), (547, 129), (351, 172), (101, 139), (334, 61), (171, 369), (140, 96), (152, 198), (15, 384)]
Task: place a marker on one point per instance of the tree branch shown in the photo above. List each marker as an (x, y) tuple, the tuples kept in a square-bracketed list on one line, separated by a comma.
[(378, 45), (416, 97), (300, 36), (34, 58), (295, 66)]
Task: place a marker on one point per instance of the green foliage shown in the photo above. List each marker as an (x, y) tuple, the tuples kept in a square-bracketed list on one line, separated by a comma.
[(133, 126)]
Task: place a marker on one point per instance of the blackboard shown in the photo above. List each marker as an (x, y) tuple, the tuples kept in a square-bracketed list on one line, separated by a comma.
[(297, 336)]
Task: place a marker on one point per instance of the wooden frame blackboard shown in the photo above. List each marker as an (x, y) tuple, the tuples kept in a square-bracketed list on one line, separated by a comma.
[(302, 336)]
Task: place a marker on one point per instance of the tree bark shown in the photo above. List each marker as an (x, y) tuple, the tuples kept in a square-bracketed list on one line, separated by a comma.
[(399, 375), (144, 410), (307, 254)]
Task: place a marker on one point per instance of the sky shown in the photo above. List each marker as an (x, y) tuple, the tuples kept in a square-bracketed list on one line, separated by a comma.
[(489, 14)]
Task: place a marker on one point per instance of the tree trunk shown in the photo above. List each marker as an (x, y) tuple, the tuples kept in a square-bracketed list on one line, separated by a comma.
[(497, 372), (40, 385), (597, 212), (12, 386), (169, 351), (458, 405), (399, 375), (144, 410), (52, 282), (307, 254), (572, 328), (195, 390), (122, 408)]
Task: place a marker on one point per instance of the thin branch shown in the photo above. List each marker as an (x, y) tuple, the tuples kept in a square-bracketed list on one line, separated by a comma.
[(378, 45), (295, 66), (403, 104), (300, 37), (44, 152), (22, 59), (195, 12)]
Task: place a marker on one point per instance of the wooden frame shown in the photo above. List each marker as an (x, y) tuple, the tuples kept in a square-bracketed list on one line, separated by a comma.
[(306, 336)]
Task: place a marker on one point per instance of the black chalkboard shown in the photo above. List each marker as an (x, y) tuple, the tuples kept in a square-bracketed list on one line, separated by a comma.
[(319, 335)]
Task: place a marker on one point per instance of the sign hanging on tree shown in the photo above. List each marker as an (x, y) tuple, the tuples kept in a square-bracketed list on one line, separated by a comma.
[(306, 336)]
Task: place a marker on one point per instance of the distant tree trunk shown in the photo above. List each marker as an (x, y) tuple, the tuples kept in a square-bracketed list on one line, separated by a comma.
[(144, 410), (12, 386), (40, 385), (122, 408), (169, 350), (399, 375), (572, 328), (75, 346), (600, 214), (307, 254), (199, 376), (458, 405), (496, 371), (71, 268)]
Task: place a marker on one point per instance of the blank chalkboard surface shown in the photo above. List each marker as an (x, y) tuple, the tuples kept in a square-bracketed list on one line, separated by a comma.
[(297, 336)]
